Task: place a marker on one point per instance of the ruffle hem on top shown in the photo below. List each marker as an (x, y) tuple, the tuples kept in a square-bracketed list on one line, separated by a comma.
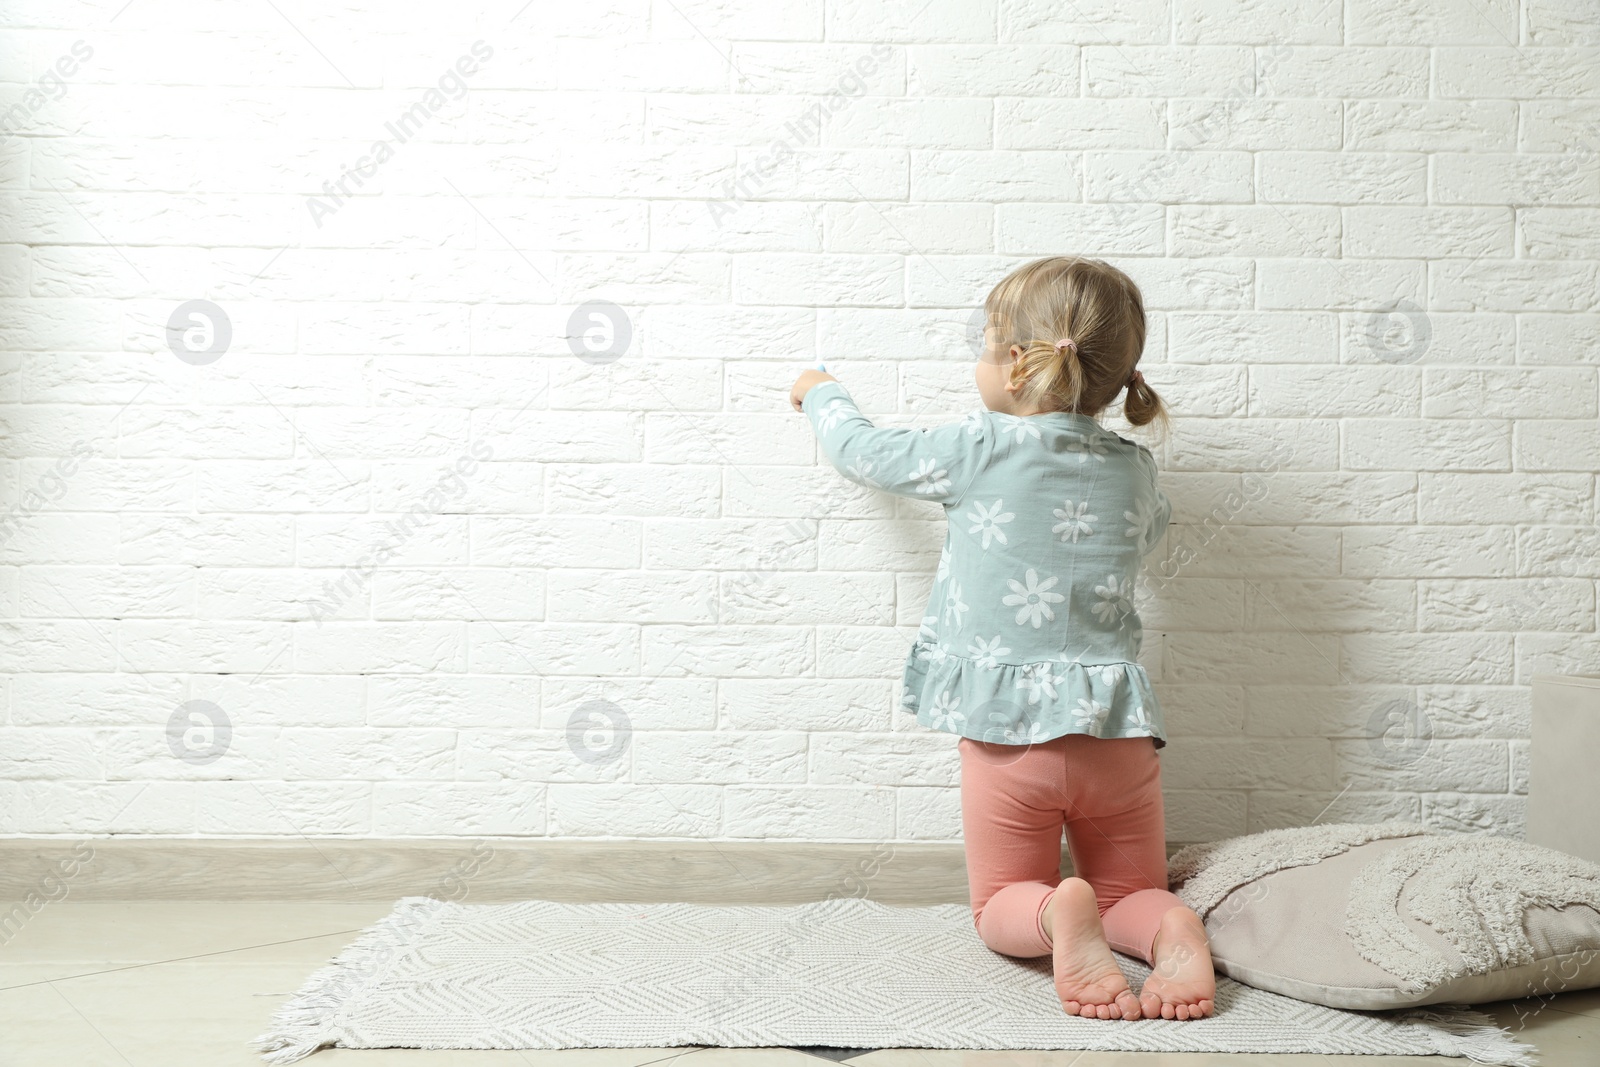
[(1027, 703)]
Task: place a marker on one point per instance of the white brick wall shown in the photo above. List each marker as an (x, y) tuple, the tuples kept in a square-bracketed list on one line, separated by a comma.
[(759, 186)]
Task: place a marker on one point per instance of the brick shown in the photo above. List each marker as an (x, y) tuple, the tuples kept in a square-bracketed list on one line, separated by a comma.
[(1279, 809), (720, 757), (1551, 499), (810, 68), (458, 809), (1379, 232), (1565, 393), (1189, 70), (927, 814), (819, 704), (1330, 71), (1539, 181), (1459, 444), (671, 811), (1040, 20), (1558, 232), (1430, 125), (1345, 606), (1121, 229), (909, 228), (1201, 176), (839, 813), (1559, 22), (1253, 336), (1372, 22), (1253, 230), (1221, 22), (727, 651), (859, 20), (1476, 814), (992, 70), (1034, 174), (1515, 72), (925, 758), (649, 703), (950, 125), (1473, 766), (1447, 658), (1519, 605), (1231, 763), (1558, 338), (1323, 392), (1477, 551)]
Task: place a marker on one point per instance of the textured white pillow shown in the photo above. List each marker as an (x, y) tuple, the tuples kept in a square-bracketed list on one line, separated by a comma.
[(1372, 916)]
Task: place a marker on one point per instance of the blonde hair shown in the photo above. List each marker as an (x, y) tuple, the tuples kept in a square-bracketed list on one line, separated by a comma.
[(1097, 308)]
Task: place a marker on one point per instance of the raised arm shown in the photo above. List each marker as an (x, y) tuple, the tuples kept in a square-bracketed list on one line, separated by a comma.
[(937, 464)]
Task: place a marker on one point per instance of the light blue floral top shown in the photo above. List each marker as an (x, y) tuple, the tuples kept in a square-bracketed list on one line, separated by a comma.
[(1030, 631)]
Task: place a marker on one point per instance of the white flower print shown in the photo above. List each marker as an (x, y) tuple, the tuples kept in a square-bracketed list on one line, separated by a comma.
[(1141, 720), (985, 653), (1038, 681), (1112, 673), (944, 563), (861, 472), (943, 715), (1024, 428), (1072, 522), (908, 697), (934, 653), (988, 520), (1091, 714), (929, 478), (1033, 736), (1088, 445), (953, 604), (928, 632), (1033, 600), (1113, 604), (832, 414), (1140, 519), (973, 421)]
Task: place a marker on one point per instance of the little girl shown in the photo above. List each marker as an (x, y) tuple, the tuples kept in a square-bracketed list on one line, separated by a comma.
[(1029, 646)]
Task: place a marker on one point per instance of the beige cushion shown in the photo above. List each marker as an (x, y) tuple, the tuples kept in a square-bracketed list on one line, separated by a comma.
[(1386, 915)]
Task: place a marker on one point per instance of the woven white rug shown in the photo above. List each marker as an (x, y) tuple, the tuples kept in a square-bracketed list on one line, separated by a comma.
[(847, 973)]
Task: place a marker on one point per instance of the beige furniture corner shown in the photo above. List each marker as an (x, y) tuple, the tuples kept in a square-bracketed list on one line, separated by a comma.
[(1564, 765)]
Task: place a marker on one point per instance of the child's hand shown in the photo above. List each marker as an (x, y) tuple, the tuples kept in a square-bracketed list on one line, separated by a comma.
[(803, 384)]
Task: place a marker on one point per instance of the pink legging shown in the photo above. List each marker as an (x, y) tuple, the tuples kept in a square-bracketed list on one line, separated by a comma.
[(1015, 799)]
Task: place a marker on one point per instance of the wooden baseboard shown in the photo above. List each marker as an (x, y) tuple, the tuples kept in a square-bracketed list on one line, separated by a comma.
[(485, 870)]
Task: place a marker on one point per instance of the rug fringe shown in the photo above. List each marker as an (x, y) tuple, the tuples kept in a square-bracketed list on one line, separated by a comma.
[(305, 1024), (1462, 1031)]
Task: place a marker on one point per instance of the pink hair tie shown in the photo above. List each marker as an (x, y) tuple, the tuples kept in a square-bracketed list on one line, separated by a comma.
[(1067, 342)]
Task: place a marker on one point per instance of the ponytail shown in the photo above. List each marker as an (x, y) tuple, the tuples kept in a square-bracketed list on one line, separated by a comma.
[(1142, 406), (1053, 371)]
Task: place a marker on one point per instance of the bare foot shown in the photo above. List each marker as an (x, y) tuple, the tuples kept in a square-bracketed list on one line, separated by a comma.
[(1182, 984), (1088, 980)]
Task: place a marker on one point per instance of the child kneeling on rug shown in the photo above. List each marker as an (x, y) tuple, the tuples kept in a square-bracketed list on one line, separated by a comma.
[(1029, 646)]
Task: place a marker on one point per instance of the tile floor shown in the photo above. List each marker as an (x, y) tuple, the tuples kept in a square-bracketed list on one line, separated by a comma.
[(161, 984)]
